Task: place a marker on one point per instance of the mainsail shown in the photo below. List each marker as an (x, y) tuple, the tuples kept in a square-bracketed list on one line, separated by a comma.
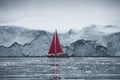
[(55, 47)]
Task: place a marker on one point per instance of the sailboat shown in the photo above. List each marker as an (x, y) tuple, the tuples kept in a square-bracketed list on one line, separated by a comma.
[(55, 47)]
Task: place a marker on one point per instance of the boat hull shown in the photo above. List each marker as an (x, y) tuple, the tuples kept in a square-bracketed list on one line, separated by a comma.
[(58, 55)]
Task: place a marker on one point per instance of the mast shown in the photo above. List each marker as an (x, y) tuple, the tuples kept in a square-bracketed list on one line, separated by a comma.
[(58, 45), (55, 41)]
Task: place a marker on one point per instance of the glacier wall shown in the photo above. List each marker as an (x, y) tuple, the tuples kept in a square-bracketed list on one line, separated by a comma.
[(90, 41)]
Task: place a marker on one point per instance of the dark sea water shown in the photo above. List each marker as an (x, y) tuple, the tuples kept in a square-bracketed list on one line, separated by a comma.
[(74, 68)]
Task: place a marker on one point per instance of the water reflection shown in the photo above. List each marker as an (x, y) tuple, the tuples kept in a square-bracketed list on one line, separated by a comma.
[(54, 69)]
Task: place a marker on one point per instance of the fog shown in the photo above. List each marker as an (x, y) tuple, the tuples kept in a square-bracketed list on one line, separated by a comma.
[(59, 14)]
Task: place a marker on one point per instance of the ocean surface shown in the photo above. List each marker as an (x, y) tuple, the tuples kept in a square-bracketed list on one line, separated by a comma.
[(73, 68)]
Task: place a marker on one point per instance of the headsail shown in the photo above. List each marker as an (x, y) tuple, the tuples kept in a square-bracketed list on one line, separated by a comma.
[(52, 46)]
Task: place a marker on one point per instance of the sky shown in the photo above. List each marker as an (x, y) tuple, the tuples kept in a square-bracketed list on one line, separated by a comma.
[(59, 14)]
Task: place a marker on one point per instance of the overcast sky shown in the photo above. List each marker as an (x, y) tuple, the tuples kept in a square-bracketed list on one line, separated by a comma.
[(59, 14)]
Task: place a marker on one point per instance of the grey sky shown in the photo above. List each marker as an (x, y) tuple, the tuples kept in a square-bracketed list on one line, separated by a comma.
[(59, 14)]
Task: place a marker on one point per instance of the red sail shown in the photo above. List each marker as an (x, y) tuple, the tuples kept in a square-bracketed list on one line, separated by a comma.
[(58, 46), (55, 45), (52, 46)]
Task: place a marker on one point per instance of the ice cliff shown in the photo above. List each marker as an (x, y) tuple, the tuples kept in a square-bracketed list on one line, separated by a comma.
[(90, 41)]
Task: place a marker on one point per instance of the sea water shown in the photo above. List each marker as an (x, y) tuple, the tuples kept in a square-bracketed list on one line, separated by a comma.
[(72, 68)]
